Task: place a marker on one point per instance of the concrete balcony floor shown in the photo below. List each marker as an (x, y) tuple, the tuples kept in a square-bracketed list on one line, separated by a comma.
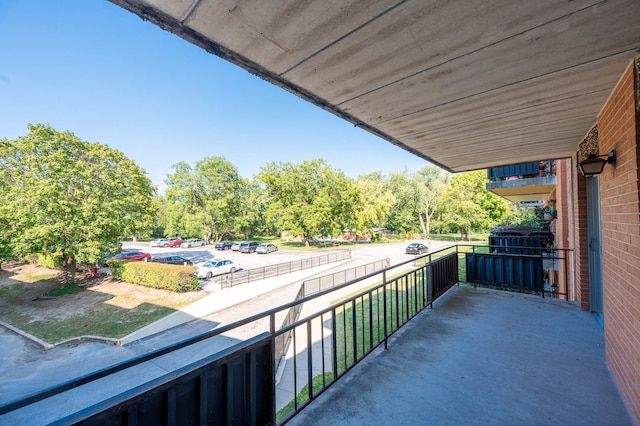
[(481, 357)]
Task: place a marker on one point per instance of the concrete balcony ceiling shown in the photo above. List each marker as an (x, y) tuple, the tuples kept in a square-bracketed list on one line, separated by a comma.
[(527, 189), (465, 85)]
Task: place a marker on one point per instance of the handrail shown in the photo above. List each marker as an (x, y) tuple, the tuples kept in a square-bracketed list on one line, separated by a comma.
[(104, 372)]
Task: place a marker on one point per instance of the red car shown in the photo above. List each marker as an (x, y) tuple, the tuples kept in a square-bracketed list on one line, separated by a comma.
[(132, 255), (175, 242)]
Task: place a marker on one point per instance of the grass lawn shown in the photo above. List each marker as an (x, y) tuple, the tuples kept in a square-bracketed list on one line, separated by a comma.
[(360, 326), (35, 300)]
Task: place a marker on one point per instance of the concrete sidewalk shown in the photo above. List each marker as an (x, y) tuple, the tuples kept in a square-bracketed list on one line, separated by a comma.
[(481, 357), (219, 300)]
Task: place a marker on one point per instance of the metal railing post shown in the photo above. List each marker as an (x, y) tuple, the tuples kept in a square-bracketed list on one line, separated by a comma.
[(274, 364), (384, 308)]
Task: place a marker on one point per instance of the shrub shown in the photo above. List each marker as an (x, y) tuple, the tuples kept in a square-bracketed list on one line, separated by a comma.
[(156, 275), (51, 261)]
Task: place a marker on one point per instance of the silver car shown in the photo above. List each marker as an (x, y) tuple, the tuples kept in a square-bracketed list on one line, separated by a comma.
[(266, 248), (159, 242), (193, 243)]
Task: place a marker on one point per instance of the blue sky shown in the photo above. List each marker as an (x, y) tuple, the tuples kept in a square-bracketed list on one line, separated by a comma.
[(92, 68)]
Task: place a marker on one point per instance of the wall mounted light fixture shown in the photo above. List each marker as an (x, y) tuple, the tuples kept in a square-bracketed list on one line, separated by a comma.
[(594, 164)]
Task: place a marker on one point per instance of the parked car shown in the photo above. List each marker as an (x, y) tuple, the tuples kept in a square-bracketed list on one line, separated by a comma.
[(159, 242), (172, 260), (193, 243), (216, 267), (132, 255), (266, 248), (416, 248), (224, 245), (235, 247), (174, 242), (248, 247)]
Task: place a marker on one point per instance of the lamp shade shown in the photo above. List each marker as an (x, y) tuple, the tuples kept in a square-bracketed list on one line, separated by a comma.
[(592, 166)]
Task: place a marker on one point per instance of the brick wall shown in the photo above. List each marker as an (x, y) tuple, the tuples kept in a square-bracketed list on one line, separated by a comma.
[(618, 127), (563, 224), (581, 247)]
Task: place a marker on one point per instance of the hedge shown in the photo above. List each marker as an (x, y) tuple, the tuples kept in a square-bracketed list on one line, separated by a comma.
[(176, 278)]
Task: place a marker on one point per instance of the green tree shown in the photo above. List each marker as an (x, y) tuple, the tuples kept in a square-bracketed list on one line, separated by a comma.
[(310, 199), (159, 222), (64, 195), (205, 200), (376, 202), (254, 202), (469, 206), (6, 252), (403, 216), (430, 183)]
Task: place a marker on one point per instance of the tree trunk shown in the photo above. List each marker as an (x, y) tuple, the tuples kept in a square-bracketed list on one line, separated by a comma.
[(422, 225), (70, 269), (73, 270)]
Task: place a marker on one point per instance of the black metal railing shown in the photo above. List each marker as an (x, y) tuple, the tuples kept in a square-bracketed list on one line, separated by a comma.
[(236, 385), (255, 274), (327, 344), (538, 270), (317, 285)]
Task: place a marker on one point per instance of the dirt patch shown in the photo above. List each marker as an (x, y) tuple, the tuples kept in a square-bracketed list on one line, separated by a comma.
[(23, 286)]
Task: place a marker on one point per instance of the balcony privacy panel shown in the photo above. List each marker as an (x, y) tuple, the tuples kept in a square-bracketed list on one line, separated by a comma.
[(230, 388), (518, 244), (517, 170), (517, 272), (443, 274)]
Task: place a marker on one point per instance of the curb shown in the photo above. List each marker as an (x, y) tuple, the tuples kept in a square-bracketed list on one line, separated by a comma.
[(48, 346)]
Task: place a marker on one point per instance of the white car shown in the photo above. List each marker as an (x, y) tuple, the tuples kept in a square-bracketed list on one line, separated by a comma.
[(193, 243), (159, 242), (216, 267), (235, 247), (266, 248)]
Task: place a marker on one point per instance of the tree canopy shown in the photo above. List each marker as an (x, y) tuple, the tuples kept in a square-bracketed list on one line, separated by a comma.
[(60, 194), (203, 201), (469, 206), (310, 199)]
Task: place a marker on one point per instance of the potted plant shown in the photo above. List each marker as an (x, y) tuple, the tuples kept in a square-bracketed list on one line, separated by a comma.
[(550, 214)]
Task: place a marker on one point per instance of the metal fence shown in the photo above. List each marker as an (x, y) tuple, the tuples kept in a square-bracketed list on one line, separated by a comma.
[(236, 386), (255, 274), (327, 344), (317, 285), (326, 282)]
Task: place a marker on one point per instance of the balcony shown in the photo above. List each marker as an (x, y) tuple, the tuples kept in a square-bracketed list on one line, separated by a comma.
[(403, 344), (481, 357), (523, 182)]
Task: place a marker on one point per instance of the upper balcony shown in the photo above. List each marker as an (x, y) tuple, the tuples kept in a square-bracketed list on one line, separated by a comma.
[(523, 182)]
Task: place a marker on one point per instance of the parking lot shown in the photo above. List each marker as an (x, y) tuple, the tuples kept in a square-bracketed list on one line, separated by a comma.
[(202, 254), (395, 252)]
